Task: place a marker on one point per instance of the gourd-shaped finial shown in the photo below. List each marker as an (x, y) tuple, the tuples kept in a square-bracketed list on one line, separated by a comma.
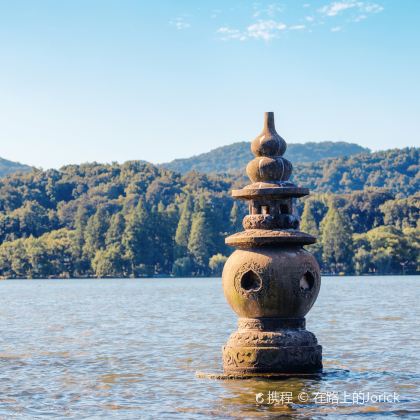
[(268, 143), (269, 166)]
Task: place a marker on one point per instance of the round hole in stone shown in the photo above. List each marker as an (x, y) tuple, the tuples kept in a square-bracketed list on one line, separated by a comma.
[(307, 282), (251, 282)]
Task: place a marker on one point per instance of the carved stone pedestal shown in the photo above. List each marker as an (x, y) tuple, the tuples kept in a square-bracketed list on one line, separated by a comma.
[(272, 345)]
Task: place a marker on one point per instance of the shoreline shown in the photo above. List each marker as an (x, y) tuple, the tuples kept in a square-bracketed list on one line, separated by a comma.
[(191, 277)]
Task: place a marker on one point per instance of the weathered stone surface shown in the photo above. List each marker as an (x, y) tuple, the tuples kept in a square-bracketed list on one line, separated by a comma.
[(269, 222), (257, 375), (270, 324), (270, 190), (259, 237), (268, 142), (271, 281), (263, 169), (279, 273), (293, 359), (272, 345)]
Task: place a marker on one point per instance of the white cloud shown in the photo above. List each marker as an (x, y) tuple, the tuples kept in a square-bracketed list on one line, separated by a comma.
[(270, 11), (372, 8), (338, 7), (265, 29), (227, 33), (360, 18), (271, 28), (180, 23), (334, 9), (273, 9), (297, 27)]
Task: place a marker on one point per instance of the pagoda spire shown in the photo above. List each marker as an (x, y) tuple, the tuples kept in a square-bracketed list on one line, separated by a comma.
[(269, 165)]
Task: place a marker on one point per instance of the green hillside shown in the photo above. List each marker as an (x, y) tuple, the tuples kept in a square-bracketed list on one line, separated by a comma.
[(397, 170), (137, 219), (8, 167), (235, 156)]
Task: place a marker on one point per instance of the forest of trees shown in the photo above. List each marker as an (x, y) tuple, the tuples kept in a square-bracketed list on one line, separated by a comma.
[(136, 219)]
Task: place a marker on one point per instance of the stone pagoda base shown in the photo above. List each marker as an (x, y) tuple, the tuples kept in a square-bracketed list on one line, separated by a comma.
[(271, 345)]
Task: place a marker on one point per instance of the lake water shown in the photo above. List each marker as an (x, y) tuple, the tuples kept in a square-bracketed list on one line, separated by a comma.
[(129, 349)]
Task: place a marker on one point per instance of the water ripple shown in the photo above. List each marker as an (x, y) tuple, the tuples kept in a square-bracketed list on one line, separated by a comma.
[(129, 349)]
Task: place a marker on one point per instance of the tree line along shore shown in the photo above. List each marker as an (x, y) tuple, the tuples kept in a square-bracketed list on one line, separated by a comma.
[(136, 219)]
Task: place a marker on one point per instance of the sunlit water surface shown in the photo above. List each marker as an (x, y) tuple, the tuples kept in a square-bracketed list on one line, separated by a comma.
[(130, 349)]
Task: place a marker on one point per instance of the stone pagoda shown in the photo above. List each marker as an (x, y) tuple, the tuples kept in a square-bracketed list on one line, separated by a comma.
[(270, 280)]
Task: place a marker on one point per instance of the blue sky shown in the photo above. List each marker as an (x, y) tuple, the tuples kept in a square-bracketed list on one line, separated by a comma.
[(117, 80)]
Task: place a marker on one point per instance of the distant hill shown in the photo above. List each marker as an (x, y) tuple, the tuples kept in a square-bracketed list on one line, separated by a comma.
[(234, 157), (396, 170), (8, 167)]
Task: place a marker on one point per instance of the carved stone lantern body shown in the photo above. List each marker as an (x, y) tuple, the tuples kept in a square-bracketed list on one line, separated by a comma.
[(270, 280)]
